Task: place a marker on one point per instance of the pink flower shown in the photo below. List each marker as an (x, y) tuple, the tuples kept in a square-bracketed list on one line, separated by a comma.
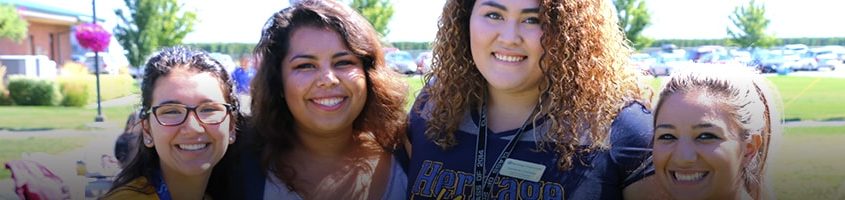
[(92, 36)]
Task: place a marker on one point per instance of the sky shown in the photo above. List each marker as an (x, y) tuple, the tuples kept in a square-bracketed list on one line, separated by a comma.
[(416, 20)]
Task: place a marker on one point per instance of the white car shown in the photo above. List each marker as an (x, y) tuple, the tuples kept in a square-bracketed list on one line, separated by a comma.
[(401, 61)]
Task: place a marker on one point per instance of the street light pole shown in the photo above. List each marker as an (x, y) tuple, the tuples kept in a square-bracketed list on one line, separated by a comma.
[(99, 117)]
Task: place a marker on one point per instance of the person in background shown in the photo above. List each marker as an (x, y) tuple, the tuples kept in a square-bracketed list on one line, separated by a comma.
[(328, 112), (243, 75), (188, 120), (714, 133), (530, 99)]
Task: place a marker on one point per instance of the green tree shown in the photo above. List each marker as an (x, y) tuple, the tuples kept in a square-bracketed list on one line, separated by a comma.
[(11, 24), (633, 19), (377, 12), (150, 25), (749, 26)]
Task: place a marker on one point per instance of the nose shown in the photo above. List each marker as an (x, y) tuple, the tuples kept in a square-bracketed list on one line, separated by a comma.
[(509, 33), (192, 124), (328, 78), (684, 154)]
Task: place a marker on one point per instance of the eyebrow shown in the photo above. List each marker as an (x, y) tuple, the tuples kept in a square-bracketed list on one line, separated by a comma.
[(704, 125), (502, 7), (179, 102), (669, 126), (339, 54)]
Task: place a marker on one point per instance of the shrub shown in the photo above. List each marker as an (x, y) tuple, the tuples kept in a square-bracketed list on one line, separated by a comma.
[(32, 91), (5, 100), (75, 91)]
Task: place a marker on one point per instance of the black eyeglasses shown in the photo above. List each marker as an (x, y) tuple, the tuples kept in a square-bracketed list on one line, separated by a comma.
[(176, 114)]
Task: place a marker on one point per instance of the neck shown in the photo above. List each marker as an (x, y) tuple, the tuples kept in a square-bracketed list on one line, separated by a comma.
[(185, 187), (509, 110), (331, 145)]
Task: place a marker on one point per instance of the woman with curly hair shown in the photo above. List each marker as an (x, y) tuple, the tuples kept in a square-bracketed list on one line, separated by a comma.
[(328, 112), (530, 98)]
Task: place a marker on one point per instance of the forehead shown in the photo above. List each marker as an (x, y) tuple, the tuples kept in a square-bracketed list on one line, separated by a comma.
[(510, 5), (188, 87), (313, 40)]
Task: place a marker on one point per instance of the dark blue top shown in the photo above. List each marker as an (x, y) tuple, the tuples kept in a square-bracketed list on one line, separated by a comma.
[(448, 174), (242, 77)]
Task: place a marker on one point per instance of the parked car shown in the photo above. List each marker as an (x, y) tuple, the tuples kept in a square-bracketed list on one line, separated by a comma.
[(641, 63), (829, 56), (401, 61), (424, 62), (774, 61), (666, 63)]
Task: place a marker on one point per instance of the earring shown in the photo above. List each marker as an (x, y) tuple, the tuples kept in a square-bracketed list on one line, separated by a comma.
[(147, 141), (232, 139)]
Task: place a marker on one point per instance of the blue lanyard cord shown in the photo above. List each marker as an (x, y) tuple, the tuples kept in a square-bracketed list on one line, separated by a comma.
[(161, 186), (483, 183)]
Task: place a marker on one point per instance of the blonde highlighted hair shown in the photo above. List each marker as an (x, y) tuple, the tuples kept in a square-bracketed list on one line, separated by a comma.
[(750, 99)]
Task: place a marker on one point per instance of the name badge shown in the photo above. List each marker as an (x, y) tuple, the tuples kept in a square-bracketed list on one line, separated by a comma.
[(522, 170)]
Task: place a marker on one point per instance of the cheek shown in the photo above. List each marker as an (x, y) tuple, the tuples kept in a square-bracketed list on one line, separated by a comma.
[(661, 153)]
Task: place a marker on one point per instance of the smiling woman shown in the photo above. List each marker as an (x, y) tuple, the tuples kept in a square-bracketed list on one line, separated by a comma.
[(189, 115), (713, 134), (328, 117)]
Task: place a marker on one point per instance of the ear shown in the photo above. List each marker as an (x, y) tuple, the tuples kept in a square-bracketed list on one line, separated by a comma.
[(751, 147), (146, 136)]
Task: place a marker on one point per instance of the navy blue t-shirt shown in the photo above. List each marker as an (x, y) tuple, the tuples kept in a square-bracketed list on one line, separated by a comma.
[(448, 174)]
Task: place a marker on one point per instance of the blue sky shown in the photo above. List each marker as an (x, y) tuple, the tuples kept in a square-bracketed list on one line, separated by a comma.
[(416, 20)]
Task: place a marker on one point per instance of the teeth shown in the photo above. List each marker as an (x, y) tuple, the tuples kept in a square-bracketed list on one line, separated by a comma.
[(192, 147), (689, 177), (328, 101), (508, 58)]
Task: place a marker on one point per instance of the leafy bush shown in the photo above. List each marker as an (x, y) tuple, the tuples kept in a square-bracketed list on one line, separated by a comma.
[(75, 91), (5, 100), (32, 91)]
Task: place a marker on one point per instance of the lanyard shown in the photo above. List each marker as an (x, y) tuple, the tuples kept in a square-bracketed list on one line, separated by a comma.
[(161, 187), (483, 183)]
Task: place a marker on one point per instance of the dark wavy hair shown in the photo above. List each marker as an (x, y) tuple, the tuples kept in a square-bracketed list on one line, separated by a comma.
[(585, 83), (146, 160), (383, 114)]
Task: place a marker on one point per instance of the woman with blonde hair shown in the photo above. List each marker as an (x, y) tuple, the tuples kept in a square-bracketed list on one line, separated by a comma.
[(530, 98), (714, 130)]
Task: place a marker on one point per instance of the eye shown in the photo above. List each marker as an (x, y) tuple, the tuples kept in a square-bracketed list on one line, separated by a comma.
[(344, 63), (493, 15), (304, 66), (666, 137), (708, 136), (532, 20), (170, 110)]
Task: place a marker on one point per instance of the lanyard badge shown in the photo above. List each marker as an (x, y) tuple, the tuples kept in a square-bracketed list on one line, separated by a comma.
[(483, 179)]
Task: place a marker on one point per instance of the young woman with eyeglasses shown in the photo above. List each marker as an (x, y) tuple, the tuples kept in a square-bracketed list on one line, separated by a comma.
[(189, 114)]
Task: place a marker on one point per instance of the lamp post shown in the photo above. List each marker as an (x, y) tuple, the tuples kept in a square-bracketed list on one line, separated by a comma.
[(99, 117)]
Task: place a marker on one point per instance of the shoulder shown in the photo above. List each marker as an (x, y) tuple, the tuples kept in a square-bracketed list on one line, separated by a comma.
[(632, 127), (139, 188)]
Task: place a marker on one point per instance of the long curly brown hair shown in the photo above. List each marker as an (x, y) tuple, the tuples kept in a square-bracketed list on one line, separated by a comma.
[(585, 81), (383, 115)]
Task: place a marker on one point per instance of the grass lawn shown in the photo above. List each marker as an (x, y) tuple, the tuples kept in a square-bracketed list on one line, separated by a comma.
[(42, 117), (11, 148), (808, 164), (805, 98)]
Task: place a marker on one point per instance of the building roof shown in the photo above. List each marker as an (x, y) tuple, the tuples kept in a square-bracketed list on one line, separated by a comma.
[(49, 13)]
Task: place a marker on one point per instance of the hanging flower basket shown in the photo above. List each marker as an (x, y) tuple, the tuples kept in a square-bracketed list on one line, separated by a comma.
[(92, 36)]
